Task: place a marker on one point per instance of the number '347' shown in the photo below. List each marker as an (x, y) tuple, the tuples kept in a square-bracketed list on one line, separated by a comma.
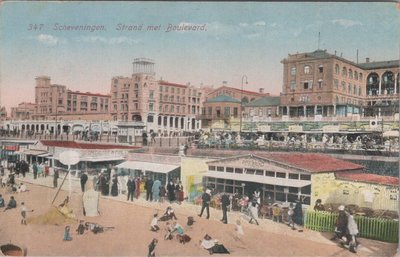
[(35, 26)]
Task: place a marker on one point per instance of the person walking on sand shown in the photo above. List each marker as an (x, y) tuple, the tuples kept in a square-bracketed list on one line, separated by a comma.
[(24, 210), (152, 248), (225, 202), (83, 179), (206, 197), (67, 236)]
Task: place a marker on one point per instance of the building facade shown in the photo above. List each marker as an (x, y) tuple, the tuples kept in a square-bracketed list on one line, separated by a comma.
[(54, 102), (164, 107), (319, 83), (24, 111)]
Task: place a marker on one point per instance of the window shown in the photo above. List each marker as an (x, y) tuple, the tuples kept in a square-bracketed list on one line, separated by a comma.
[(238, 170), (160, 88), (178, 90), (305, 177), (260, 172), (343, 86), (336, 82), (360, 77), (151, 94), (359, 91), (337, 69), (307, 69), (321, 69), (227, 111), (209, 110), (150, 119), (349, 88), (293, 71), (178, 109), (280, 175), (173, 90), (350, 73), (354, 90), (219, 168), (307, 84), (344, 72), (320, 83), (355, 75), (211, 167), (166, 89), (293, 176), (229, 169), (250, 171), (151, 107), (292, 85)]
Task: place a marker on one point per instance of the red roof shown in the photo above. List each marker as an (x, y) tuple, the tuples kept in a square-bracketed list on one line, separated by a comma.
[(73, 144), (312, 162), (165, 83), (367, 177)]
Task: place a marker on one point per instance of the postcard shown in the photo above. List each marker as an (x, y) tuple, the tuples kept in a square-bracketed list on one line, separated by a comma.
[(199, 128)]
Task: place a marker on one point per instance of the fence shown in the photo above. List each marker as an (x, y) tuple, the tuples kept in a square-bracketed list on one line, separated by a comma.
[(373, 228)]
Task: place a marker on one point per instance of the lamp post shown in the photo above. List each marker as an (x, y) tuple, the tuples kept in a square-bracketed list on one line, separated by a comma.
[(241, 103)]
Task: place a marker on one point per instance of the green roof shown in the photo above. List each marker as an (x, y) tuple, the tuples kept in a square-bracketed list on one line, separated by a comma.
[(223, 98), (265, 101), (379, 65)]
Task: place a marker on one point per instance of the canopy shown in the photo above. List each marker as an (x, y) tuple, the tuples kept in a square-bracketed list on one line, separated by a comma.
[(391, 133), (148, 166), (34, 152), (259, 179)]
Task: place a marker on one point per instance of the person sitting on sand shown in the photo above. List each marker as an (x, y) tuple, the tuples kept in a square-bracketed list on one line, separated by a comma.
[(67, 236), (11, 204), (212, 245), (168, 231), (169, 214), (81, 228), (154, 223), (22, 188)]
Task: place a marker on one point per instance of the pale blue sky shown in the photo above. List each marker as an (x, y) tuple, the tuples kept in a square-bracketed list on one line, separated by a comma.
[(241, 38)]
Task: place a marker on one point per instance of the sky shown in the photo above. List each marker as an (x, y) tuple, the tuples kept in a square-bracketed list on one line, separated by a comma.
[(238, 39)]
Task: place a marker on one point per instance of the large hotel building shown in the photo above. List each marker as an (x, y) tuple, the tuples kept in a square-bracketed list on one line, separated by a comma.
[(319, 83)]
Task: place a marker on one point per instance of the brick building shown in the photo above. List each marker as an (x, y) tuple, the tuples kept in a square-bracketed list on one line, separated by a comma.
[(24, 111), (57, 102), (319, 83)]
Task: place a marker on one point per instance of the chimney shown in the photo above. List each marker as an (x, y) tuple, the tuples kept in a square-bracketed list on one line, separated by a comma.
[(261, 90), (367, 59)]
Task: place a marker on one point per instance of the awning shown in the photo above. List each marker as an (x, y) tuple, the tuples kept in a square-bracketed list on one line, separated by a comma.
[(34, 152), (102, 158), (259, 179), (44, 155), (148, 166), (391, 133)]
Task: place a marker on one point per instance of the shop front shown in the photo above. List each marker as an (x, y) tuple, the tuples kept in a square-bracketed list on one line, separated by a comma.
[(245, 174)]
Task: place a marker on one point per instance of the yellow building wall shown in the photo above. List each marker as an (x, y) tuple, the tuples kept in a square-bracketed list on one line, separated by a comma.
[(192, 172), (331, 190)]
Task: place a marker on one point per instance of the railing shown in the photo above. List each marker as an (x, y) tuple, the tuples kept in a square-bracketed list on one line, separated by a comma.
[(373, 228)]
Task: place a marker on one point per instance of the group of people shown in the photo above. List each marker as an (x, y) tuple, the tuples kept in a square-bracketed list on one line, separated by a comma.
[(346, 229), (174, 230)]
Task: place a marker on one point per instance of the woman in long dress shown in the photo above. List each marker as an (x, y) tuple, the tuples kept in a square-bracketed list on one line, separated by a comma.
[(114, 186)]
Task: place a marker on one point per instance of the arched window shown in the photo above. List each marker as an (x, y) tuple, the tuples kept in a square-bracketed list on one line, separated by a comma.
[(337, 69), (307, 69), (359, 91), (355, 75), (354, 90), (373, 84), (344, 72), (388, 83), (360, 76), (350, 73), (349, 88)]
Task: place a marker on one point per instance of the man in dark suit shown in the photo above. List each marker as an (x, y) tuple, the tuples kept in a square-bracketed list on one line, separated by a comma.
[(225, 202), (131, 188), (148, 187), (206, 197)]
